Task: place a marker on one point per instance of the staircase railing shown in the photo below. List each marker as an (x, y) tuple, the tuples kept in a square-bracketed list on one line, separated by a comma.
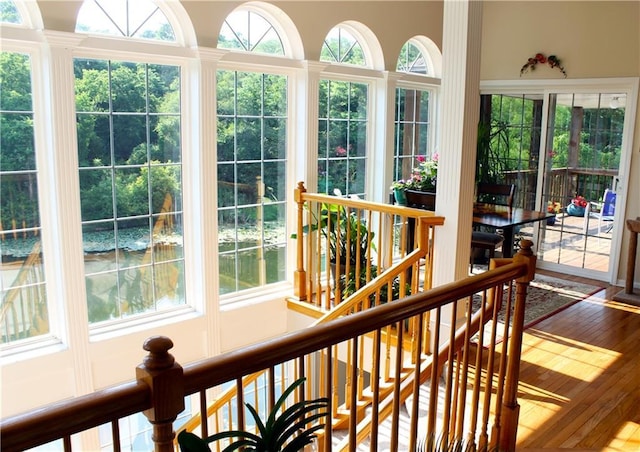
[(344, 243), (387, 253), (23, 309), (472, 386)]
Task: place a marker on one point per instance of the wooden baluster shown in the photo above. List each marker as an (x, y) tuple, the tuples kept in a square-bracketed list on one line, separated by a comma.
[(164, 377), (511, 408), (300, 276)]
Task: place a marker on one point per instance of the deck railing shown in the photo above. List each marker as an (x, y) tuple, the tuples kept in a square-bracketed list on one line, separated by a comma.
[(472, 386), (562, 184)]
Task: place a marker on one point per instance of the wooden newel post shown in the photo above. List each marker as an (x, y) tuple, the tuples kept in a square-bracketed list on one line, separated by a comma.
[(163, 375), (510, 406), (634, 227), (627, 294), (300, 275)]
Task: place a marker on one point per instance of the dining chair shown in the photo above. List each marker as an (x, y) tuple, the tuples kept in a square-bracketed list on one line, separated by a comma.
[(501, 194), (604, 211)]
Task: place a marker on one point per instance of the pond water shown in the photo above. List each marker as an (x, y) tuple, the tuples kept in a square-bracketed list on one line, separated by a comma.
[(135, 278)]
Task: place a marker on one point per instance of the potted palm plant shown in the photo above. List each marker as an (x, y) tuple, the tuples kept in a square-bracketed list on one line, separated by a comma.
[(349, 240), (286, 430)]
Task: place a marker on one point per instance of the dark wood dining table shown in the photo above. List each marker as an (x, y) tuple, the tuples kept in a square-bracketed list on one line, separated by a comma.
[(506, 218)]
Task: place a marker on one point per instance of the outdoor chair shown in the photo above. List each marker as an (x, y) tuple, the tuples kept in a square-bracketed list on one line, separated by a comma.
[(501, 194), (603, 211)]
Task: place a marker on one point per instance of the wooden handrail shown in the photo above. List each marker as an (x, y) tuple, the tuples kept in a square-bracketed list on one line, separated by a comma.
[(67, 417), (54, 421), (163, 384)]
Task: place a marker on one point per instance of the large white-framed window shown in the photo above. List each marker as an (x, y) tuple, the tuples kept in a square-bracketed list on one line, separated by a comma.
[(129, 136), (414, 111), (343, 114), (252, 153), (130, 170), (29, 308), (25, 310)]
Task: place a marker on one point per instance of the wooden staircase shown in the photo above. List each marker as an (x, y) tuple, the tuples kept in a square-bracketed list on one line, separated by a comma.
[(368, 361), (364, 396)]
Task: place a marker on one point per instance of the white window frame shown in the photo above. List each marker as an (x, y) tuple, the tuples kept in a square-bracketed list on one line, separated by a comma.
[(181, 58), (54, 340)]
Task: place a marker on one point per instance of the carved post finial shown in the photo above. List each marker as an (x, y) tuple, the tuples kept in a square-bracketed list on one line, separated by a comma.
[(525, 255), (159, 356), (164, 377)]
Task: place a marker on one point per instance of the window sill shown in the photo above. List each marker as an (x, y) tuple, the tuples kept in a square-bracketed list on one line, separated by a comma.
[(141, 323)]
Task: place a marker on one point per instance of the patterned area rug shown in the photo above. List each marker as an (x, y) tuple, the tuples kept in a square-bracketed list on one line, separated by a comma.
[(547, 295)]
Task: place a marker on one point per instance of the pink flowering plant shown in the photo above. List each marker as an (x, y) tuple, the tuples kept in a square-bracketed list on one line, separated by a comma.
[(423, 177)]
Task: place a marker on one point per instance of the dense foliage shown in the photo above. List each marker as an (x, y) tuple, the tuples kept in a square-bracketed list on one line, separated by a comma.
[(510, 136)]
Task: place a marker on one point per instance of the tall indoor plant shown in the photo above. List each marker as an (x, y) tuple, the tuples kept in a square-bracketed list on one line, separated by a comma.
[(349, 240)]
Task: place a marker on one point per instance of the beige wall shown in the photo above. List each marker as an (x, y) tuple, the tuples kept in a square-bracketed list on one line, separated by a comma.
[(393, 22), (593, 39)]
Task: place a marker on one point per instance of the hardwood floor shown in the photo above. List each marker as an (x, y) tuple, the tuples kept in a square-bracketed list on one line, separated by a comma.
[(580, 378)]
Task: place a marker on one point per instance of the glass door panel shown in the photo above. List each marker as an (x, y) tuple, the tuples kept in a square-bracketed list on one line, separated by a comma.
[(583, 148), (563, 152)]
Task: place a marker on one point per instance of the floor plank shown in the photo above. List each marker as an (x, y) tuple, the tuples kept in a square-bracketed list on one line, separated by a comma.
[(580, 378)]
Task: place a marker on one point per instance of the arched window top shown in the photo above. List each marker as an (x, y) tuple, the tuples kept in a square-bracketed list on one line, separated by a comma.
[(9, 13), (341, 46), (354, 44), (419, 55), (142, 19), (261, 27), (412, 60), (20, 13), (250, 31)]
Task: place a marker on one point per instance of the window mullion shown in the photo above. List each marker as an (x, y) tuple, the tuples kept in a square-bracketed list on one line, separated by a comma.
[(63, 212)]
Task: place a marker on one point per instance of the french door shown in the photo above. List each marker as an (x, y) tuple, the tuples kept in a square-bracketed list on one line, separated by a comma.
[(565, 149)]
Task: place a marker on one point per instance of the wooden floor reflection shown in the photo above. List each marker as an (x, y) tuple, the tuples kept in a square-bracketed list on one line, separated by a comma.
[(580, 378)]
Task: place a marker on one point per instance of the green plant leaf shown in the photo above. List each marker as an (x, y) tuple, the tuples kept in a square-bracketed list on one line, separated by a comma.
[(302, 440), (261, 427), (302, 425), (290, 426), (190, 442), (245, 438)]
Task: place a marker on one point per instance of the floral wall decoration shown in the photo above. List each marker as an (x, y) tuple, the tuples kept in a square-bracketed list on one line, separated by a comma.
[(551, 60)]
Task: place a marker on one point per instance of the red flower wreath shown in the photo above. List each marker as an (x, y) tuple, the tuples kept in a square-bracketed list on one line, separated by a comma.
[(551, 60)]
